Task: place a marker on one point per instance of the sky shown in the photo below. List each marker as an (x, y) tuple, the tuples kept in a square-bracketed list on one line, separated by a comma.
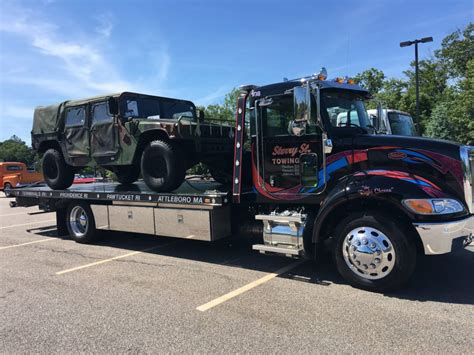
[(55, 50)]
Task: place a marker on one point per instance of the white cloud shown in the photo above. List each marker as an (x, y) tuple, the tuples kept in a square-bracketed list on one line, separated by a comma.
[(105, 26), (86, 67), (213, 97)]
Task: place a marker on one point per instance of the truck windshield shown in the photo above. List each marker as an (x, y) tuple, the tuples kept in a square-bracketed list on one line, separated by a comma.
[(401, 124), (133, 107), (344, 109)]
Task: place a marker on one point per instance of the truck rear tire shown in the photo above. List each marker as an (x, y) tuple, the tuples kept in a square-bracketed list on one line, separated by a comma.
[(374, 253), (57, 174), (80, 222), (163, 166), (127, 174)]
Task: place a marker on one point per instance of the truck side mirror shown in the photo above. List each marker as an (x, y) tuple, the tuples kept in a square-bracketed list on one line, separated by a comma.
[(112, 105), (200, 115), (379, 118), (302, 103)]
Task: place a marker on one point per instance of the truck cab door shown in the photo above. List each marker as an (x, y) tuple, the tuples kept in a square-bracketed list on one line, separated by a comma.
[(76, 135), (289, 150), (103, 131)]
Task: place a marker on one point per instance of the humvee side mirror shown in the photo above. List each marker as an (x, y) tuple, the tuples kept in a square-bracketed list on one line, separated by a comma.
[(113, 106)]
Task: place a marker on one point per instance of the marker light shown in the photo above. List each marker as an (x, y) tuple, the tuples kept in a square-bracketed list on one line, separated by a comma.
[(339, 80), (323, 74), (430, 206), (350, 81)]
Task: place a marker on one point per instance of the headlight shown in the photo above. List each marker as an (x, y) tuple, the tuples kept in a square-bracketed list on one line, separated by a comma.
[(433, 206)]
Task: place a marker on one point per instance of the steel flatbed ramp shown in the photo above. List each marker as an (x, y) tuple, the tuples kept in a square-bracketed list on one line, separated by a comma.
[(189, 193)]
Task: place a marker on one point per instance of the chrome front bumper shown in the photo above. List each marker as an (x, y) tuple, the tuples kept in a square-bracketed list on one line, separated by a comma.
[(438, 238)]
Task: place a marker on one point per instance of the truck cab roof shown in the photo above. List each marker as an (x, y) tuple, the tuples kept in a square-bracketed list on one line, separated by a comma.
[(281, 87)]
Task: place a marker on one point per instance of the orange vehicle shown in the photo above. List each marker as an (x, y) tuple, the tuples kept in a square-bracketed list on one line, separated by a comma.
[(15, 174)]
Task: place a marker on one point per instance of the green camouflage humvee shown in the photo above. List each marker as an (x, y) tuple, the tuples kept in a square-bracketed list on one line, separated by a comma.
[(129, 133)]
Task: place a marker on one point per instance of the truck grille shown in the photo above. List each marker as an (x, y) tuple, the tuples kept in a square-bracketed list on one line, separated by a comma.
[(467, 159)]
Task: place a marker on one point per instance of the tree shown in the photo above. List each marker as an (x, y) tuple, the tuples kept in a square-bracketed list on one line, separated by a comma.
[(14, 149), (439, 125), (392, 92), (226, 110), (371, 79), (457, 49), (433, 82)]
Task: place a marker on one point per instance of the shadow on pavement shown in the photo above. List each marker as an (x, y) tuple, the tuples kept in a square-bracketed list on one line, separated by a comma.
[(445, 278)]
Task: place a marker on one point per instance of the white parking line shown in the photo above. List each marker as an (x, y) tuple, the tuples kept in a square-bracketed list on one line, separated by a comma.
[(20, 245), (112, 259), (27, 224), (14, 214), (248, 287)]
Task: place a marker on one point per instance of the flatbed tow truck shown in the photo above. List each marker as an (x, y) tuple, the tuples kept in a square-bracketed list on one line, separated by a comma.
[(304, 181)]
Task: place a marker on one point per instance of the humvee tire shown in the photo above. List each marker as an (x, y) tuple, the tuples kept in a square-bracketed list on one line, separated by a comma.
[(57, 174), (221, 176), (163, 166), (127, 174)]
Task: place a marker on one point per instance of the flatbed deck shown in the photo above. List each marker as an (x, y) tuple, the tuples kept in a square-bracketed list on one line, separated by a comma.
[(191, 192)]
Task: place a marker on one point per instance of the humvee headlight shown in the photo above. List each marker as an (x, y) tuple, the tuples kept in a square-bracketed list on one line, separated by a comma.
[(433, 206)]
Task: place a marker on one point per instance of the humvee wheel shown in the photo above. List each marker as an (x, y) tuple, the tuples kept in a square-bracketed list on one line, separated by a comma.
[(127, 174), (57, 174), (163, 166), (221, 176)]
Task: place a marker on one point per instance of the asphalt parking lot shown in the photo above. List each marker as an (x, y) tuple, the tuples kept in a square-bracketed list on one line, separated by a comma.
[(136, 293)]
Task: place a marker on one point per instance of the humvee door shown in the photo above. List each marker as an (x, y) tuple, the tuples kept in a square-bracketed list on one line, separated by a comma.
[(76, 135), (104, 138)]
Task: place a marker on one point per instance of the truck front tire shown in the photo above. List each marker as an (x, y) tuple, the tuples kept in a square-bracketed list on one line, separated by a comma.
[(57, 174), (163, 166), (80, 222), (374, 253)]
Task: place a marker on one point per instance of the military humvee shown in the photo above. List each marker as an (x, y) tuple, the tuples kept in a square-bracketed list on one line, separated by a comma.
[(130, 133)]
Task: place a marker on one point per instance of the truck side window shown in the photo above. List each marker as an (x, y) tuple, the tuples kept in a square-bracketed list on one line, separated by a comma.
[(75, 116), (277, 116), (99, 113), (14, 168)]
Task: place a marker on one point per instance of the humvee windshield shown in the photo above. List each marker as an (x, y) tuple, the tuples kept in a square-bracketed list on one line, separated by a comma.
[(149, 107)]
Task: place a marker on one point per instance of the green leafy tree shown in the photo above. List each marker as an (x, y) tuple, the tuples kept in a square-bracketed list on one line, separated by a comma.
[(224, 111), (371, 79), (14, 149), (439, 125), (433, 83), (457, 49)]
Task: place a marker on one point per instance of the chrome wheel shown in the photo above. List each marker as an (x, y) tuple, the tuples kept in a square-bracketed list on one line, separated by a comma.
[(78, 221), (369, 253)]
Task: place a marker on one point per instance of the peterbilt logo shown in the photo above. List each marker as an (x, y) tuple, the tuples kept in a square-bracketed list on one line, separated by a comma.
[(397, 155)]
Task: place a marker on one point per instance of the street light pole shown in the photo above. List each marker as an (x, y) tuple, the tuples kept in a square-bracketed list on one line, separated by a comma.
[(417, 86), (417, 79)]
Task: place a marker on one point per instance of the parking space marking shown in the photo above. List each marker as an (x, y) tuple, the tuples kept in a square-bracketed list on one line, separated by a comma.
[(20, 245), (27, 224), (13, 214), (112, 259), (248, 287)]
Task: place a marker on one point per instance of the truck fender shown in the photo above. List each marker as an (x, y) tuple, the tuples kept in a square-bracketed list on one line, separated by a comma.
[(363, 191)]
